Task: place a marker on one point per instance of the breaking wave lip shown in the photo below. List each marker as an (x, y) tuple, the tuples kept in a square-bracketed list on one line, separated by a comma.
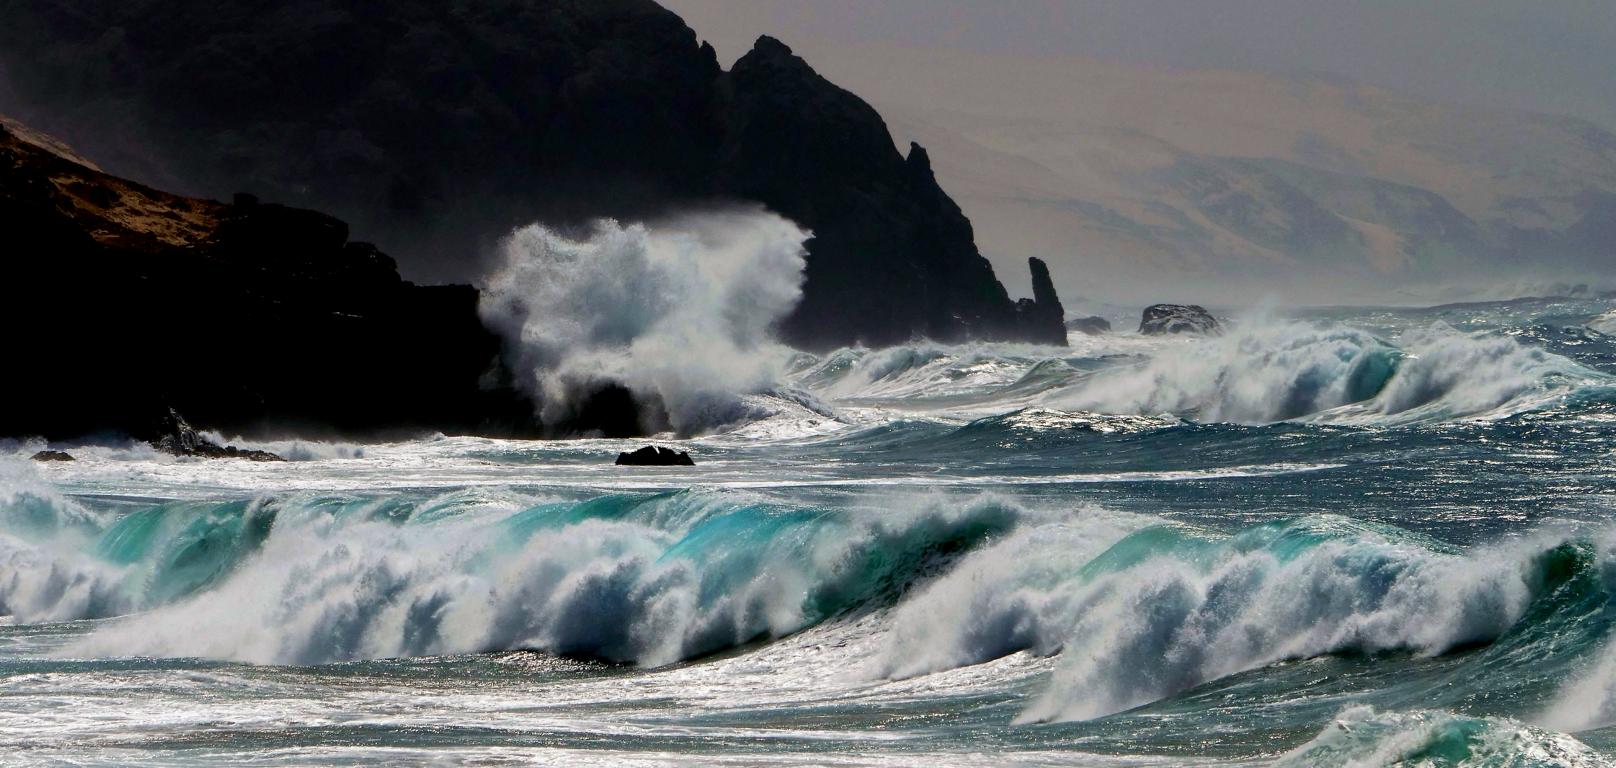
[(1361, 736), (642, 579), (1002, 375), (1267, 372), (1131, 609), (1262, 372), (1148, 612), (1587, 698)]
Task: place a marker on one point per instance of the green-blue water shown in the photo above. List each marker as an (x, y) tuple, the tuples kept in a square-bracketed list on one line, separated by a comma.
[(1355, 538)]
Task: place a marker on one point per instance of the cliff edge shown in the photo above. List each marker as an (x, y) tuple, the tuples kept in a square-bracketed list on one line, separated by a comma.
[(438, 128)]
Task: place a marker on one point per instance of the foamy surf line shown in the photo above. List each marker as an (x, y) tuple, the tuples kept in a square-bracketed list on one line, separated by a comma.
[(1268, 470)]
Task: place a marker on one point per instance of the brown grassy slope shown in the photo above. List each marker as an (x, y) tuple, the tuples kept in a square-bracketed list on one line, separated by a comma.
[(114, 211)]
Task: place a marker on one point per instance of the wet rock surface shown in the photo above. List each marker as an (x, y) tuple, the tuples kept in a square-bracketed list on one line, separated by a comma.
[(1165, 319), (172, 434)]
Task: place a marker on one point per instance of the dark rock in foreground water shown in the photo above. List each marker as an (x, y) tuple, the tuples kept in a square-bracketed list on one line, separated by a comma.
[(53, 456), (655, 456), (172, 434), (1092, 326), (1163, 319)]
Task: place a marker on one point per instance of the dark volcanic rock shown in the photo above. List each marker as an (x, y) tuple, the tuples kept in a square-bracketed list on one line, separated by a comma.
[(172, 434), (655, 456), (242, 316), (1042, 317), (1162, 319), (438, 127), (1092, 326), (52, 456), (892, 256)]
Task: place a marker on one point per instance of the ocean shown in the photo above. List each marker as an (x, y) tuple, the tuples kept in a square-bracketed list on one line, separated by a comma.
[(1347, 537)]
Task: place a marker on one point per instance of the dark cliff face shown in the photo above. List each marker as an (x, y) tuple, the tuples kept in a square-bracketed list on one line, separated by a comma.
[(892, 256), (437, 127), (122, 301)]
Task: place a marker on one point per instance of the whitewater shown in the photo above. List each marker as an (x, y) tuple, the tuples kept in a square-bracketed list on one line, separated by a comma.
[(1348, 537)]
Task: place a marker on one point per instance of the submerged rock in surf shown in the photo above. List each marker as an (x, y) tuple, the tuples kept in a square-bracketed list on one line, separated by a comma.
[(1164, 319), (52, 456), (1092, 326), (173, 434), (655, 456)]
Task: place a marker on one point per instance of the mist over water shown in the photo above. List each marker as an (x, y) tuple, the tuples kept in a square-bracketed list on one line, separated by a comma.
[(680, 310)]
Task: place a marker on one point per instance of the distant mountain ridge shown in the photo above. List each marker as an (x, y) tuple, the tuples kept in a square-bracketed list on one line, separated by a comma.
[(437, 128), (1131, 180)]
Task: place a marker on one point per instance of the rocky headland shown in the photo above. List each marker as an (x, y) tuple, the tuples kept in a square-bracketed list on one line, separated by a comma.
[(124, 301), (437, 128)]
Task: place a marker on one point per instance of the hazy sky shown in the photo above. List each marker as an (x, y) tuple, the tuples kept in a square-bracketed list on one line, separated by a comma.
[(1554, 56)]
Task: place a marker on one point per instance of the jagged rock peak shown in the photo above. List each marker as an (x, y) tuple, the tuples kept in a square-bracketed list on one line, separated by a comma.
[(919, 161), (773, 48), (1043, 287), (1041, 318)]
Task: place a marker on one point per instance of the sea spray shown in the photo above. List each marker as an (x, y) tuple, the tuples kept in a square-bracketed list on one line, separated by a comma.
[(1267, 371), (1264, 371), (45, 572), (1605, 324), (1360, 737), (645, 579), (679, 311), (1452, 374), (1138, 617), (1587, 698)]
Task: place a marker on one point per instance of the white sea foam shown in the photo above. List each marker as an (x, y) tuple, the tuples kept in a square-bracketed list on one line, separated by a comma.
[(679, 310), (1260, 372), (1266, 371), (1168, 608), (1605, 323), (682, 576), (1450, 374), (1360, 737)]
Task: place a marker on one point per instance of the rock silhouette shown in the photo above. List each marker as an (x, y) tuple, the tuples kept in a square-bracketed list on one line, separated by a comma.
[(438, 127), (655, 456)]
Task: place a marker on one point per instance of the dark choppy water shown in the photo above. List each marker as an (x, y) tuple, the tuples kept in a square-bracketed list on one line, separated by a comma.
[(1356, 538)]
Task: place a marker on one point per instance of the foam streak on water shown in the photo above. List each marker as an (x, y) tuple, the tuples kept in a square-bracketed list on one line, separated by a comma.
[(1351, 538)]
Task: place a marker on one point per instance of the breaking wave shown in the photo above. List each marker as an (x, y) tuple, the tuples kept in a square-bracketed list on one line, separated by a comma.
[(679, 312), (1155, 611), (645, 579), (1605, 324), (1290, 371), (1262, 372), (1360, 736), (1131, 609)]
